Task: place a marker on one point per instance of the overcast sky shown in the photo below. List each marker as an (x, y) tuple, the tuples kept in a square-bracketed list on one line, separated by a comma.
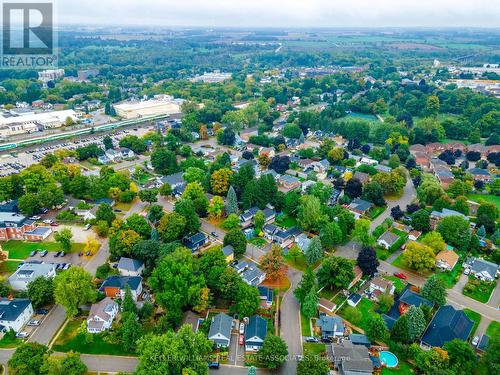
[(283, 13)]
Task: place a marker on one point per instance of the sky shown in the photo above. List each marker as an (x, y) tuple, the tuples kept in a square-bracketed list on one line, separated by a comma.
[(282, 13)]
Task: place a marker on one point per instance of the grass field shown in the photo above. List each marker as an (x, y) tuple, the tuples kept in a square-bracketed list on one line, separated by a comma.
[(402, 369), (285, 221), (398, 262), (476, 317), (299, 262), (493, 329), (479, 290), (450, 278), (305, 325), (376, 212), (9, 341), (257, 241), (314, 349), (9, 266), (366, 308), (22, 249), (70, 339), (485, 197)]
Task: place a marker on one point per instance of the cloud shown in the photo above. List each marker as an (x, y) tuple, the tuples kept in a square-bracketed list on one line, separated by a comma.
[(282, 13)]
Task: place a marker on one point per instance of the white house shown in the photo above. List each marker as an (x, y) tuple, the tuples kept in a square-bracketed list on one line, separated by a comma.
[(379, 285), (387, 239), (101, 315), (220, 330), (28, 272), (130, 267), (14, 313)]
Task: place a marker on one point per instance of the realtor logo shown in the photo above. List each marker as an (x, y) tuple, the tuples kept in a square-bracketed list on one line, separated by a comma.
[(28, 38)]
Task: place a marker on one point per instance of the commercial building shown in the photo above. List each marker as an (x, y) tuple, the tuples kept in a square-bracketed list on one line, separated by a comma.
[(166, 105), (28, 272), (212, 77), (50, 75), (34, 122), (15, 226)]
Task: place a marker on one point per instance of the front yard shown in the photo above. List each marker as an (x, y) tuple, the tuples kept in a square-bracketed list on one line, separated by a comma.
[(305, 325), (493, 329), (22, 249), (479, 290), (299, 262), (258, 241), (450, 278), (70, 339), (476, 317), (400, 263), (314, 348)]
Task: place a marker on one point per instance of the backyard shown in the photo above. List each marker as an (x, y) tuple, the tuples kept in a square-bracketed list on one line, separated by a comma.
[(22, 249), (403, 368), (299, 262), (285, 221), (479, 290), (258, 241), (70, 339), (398, 283), (450, 278), (365, 307), (485, 197)]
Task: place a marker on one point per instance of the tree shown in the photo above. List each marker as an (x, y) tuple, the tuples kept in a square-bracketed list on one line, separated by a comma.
[(312, 365), (354, 188), (335, 155), (429, 189), (258, 221), (107, 142), (367, 261), (310, 215), (148, 195), (173, 353), (361, 232), (310, 305), (416, 323), (273, 352), (399, 331), (231, 222), (186, 208), (432, 361), (165, 190), (69, 364), (352, 314), (232, 201), (272, 263), (246, 301), (226, 137), (330, 235), (490, 358), (73, 288), (171, 226), (220, 181), (376, 329), (28, 359), (164, 161), (463, 359), (122, 241), (128, 304), (435, 241), (216, 207), (434, 290), (487, 214), (131, 330), (176, 282), (306, 284), (335, 272), (314, 251), (105, 213), (29, 203), (64, 238), (372, 192), (292, 131), (41, 291), (212, 265), (237, 240), (419, 257), (139, 224), (421, 220), (195, 193), (455, 231)]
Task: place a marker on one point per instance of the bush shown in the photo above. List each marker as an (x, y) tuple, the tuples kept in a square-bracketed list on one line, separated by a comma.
[(67, 215), (102, 228), (126, 196), (352, 315)]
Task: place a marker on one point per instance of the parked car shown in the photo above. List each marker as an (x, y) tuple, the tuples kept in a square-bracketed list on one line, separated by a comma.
[(87, 227), (42, 311), (311, 339), (467, 271), (475, 341), (34, 322), (22, 335), (57, 254), (33, 253), (62, 254), (213, 365), (400, 275), (214, 234), (242, 340), (117, 210), (326, 340), (66, 266), (54, 224), (43, 253), (35, 217), (47, 221), (242, 328)]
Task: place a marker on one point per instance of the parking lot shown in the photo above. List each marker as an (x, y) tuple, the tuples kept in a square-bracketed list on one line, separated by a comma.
[(33, 324), (71, 258)]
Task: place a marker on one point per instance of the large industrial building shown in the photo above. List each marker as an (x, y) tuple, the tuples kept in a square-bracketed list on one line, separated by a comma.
[(165, 105), (33, 122)]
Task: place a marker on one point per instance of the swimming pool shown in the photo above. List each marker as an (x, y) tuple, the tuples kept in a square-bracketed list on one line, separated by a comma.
[(388, 359)]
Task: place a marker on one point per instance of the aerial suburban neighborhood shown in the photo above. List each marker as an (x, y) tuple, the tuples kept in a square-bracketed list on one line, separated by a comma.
[(249, 201)]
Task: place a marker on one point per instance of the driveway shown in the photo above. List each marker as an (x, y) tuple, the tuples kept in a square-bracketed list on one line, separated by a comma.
[(459, 286), (495, 297)]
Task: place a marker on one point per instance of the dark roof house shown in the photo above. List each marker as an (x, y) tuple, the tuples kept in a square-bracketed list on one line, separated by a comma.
[(447, 324)]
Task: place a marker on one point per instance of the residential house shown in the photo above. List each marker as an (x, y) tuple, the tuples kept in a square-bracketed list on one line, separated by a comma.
[(255, 333), (359, 207), (446, 259), (269, 215), (101, 315), (228, 251), (359, 339), (481, 269), (410, 298), (413, 235), (387, 239), (130, 267), (283, 238), (28, 272), (479, 174), (437, 216), (220, 330), (14, 313), (446, 325), (321, 168), (305, 163), (195, 241), (250, 273), (269, 151), (379, 286), (423, 160), (354, 299), (302, 241), (176, 182), (306, 185), (246, 218), (361, 177), (115, 286), (383, 168), (266, 295), (288, 183), (126, 153), (331, 326), (350, 359), (87, 213), (269, 230)]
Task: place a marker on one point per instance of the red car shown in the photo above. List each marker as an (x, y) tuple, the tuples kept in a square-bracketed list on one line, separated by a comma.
[(400, 275), (54, 224), (241, 340)]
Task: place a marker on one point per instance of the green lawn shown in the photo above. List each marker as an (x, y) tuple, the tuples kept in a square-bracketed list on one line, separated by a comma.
[(485, 197), (450, 278), (398, 262), (398, 283), (10, 341), (366, 308), (22, 249), (475, 316), (299, 262), (9, 266), (305, 325), (70, 339), (403, 368), (313, 348), (493, 329), (285, 221), (257, 241), (376, 212), (479, 290)]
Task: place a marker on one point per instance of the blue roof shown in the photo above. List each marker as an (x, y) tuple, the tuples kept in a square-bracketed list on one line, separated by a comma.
[(11, 309), (40, 231), (195, 240), (330, 323), (266, 292), (355, 297), (120, 281), (104, 200), (228, 250), (129, 264), (411, 298), (447, 324), (359, 339), (257, 327)]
